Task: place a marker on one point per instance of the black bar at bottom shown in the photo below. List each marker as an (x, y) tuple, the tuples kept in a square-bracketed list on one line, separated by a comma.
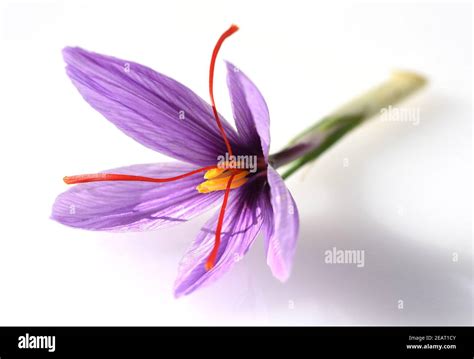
[(445, 342)]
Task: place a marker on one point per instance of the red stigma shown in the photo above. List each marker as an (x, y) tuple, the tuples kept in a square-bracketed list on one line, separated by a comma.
[(99, 177), (211, 260), (231, 30), (212, 257)]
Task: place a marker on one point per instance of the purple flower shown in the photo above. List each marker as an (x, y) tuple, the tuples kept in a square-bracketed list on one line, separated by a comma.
[(167, 117)]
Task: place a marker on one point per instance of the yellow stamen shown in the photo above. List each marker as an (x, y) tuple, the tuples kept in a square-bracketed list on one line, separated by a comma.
[(217, 180), (214, 173)]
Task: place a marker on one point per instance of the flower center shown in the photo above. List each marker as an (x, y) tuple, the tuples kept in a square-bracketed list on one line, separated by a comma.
[(218, 178)]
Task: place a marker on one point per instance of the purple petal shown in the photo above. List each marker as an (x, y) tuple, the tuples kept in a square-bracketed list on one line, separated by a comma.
[(153, 109), (281, 226), (250, 110), (242, 223), (132, 205)]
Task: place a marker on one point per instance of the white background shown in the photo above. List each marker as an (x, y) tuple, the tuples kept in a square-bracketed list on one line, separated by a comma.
[(404, 198)]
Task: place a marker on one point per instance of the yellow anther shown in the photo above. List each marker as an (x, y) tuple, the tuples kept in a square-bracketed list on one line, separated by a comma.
[(218, 181), (214, 173)]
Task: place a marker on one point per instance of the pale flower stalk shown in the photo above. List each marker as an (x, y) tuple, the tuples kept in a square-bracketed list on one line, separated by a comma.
[(310, 144)]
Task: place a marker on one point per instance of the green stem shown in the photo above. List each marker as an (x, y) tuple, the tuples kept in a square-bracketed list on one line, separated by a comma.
[(310, 144)]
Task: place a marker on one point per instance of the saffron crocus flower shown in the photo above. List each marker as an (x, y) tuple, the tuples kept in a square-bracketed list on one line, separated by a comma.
[(166, 116), (216, 163)]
